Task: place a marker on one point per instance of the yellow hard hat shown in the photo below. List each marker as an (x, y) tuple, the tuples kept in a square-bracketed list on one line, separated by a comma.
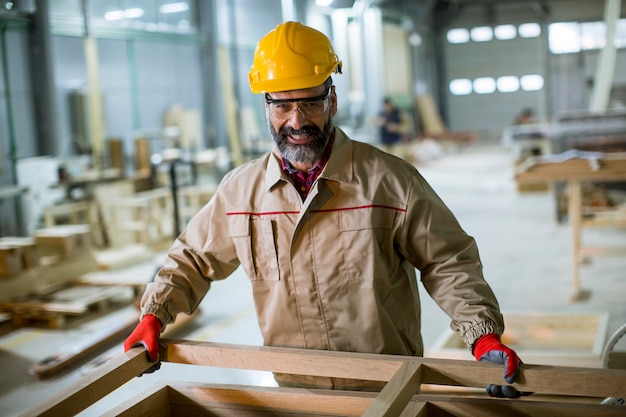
[(292, 57)]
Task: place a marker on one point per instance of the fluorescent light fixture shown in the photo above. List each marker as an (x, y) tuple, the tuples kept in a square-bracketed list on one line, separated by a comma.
[(504, 32), (484, 85), (458, 35), (323, 3), (460, 86), (123, 14), (177, 7), (532, 82), (529, 30), (507, 84), (482, 34)]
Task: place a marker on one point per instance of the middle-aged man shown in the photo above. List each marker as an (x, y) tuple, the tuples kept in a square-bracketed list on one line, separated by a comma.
[(330, 232)]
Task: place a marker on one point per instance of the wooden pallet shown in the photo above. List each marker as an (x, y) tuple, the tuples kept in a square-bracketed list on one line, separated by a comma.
[(564, 391), (56, 308)]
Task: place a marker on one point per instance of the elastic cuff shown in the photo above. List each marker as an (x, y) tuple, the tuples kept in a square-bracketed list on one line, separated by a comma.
[(159, 311), (476, 331)]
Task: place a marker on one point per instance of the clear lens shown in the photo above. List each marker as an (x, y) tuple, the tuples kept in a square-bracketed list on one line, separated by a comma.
[(309, 107)]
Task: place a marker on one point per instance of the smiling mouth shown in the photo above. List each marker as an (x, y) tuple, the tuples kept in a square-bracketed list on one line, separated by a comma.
[(301, 138)]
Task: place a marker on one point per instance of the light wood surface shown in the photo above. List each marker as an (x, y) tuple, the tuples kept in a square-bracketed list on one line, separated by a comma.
[(405, 375)]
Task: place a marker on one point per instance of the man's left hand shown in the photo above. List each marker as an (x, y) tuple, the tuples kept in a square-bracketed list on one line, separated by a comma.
[(490, 348)]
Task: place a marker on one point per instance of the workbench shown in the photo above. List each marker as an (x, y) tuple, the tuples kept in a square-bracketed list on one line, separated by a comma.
[(576, 168)]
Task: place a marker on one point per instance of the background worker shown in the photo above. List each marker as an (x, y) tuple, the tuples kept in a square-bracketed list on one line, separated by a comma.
[(330, 232), (390, 122)]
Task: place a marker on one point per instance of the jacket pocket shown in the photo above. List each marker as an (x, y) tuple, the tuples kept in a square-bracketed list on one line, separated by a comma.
[(239, 231), (366, 237), (264, 251), (254, 239)]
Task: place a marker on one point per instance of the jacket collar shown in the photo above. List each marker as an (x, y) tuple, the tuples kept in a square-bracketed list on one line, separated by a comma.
[(338, 168)]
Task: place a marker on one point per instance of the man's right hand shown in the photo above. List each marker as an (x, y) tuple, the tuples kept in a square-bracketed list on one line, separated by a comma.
[(146, 334)]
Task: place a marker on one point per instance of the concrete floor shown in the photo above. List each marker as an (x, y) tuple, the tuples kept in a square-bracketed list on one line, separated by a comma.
[(526, 256)]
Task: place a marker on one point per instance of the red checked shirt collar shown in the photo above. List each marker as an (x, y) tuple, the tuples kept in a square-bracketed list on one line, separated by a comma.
[(303, 181)]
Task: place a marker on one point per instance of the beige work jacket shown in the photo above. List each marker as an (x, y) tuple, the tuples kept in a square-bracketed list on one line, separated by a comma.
[(336, 271)]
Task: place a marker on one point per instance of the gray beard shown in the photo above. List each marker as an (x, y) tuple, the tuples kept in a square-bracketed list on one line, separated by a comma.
[(307, 153)]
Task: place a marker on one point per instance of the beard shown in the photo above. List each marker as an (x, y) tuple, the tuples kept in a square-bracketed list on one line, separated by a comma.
[(308, 153)]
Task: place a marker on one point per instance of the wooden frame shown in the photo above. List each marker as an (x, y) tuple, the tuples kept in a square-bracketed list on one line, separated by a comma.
[(558, 390)]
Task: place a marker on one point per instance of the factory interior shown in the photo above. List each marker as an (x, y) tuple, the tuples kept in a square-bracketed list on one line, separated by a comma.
[(120, 118)]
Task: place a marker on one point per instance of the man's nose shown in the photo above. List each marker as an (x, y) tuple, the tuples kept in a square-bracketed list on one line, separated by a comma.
[(297, 118)]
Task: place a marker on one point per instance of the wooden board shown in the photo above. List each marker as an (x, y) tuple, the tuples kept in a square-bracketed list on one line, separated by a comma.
[(117, 332), (579, 389), (429, 115), (579, 167), (115, 258)]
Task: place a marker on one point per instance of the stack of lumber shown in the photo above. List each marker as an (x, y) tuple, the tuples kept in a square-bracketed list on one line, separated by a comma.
[(55, 309), (38, 277), (17, 254), (22, 258)]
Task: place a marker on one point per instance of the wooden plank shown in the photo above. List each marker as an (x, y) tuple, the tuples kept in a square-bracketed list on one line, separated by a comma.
[(115, 151), (397, 392), (610, 167), (235, 401), (368, 367), (553, 380), (257, 401), (293, 401), (429, 115), (116, 258), (94, 386), (415, 408), (119, 330), (55, 363), (496, 407), (154, 402)]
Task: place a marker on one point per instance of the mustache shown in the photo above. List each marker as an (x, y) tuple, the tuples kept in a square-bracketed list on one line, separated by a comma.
[(305, 130)]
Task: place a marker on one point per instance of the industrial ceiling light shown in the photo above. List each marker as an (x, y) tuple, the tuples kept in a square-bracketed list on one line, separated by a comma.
[(123, 14), (323, 3), (177, 7)]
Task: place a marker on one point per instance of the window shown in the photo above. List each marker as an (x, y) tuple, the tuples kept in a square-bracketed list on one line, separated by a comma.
[(458, 35), (593, 35), (482, 34), (532, 82), (488, 85), (507, 84), (460, 87), (529, 30), (142, 15), (564, 37), (484, 85), (620, 34), (503, 32)]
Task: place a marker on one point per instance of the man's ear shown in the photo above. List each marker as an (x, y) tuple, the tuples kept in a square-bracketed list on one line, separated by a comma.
[(333, 101)]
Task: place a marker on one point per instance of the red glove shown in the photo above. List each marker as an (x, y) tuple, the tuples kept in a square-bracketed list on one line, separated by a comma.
[(146, 334), (490, 348)]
